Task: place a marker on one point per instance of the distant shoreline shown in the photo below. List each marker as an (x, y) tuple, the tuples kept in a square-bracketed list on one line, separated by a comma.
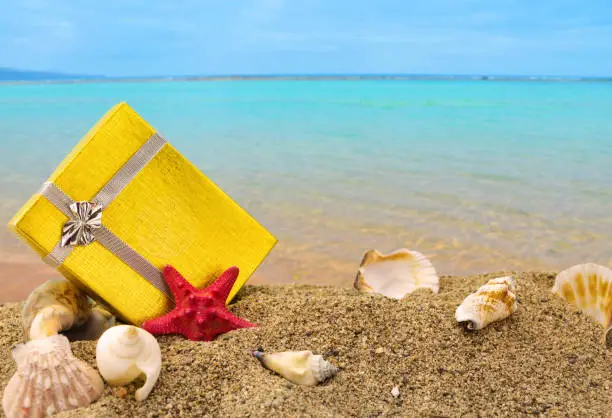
[(357, 77)]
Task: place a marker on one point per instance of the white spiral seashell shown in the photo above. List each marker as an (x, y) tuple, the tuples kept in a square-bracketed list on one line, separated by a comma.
[(125, 353), (492, 302), (301, 367), (49, 379)]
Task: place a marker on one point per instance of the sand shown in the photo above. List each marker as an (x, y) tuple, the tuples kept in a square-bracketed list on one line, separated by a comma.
[(545, 359)]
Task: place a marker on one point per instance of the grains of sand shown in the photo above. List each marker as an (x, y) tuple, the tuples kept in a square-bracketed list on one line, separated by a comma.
[(545, 359)]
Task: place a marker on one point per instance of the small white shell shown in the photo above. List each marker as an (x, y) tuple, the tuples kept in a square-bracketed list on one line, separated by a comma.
[(396, 274), (588, 287), (301, 367), (124, 353), (54, 306), (49, 379), (492, 302)]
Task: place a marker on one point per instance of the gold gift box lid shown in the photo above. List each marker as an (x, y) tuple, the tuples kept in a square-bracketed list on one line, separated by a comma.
[(167, 213)]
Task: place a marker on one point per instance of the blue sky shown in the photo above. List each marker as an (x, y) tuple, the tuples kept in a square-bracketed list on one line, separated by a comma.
[(149, 37)]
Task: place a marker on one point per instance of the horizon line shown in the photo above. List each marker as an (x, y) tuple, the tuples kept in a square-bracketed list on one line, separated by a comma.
[(72, 78)]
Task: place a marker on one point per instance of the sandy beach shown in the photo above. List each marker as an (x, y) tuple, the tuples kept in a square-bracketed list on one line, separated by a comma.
[(545, 359)]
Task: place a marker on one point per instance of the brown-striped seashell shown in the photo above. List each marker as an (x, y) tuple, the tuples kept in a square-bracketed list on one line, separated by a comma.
[(54, 306), (494, 301), (589, 288), (301, 367), (49, 379), (396, 274)]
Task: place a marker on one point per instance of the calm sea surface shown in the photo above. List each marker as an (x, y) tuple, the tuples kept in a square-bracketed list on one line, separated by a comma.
[(481, 176)]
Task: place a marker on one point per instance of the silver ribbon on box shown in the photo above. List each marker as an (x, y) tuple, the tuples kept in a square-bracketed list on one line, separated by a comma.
[(79, 230), (85, 225)]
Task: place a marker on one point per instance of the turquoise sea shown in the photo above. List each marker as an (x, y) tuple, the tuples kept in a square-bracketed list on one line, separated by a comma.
[(479, 175)]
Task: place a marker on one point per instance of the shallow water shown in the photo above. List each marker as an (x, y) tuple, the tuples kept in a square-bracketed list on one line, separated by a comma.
[(482, 176)]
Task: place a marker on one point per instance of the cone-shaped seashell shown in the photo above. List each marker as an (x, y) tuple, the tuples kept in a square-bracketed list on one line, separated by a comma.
[(301, 367), (588, 287), (124, 353), (492, 302), (396, 274), (49, 379), (54, 306)]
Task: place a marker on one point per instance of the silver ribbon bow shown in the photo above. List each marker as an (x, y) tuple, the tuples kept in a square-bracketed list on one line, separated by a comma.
[(78, 230), (85, 226)]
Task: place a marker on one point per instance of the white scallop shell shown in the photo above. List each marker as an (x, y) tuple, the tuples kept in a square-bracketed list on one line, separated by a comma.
[(588, 287), (126, 352), (54, 306), (49, 379), (494, 301), (396, 274), (301, 367)]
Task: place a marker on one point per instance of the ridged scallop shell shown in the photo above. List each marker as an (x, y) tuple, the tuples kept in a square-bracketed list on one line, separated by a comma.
[(301, 367), (125, 353), (494, 301), (397, 274), (54, 306), (49, 379), (589, 288)]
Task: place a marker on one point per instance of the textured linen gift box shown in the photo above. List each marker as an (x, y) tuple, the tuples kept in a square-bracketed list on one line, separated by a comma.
[(156, 209)]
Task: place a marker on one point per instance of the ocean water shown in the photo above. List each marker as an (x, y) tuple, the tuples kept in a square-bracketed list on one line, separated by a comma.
[(479, 175)]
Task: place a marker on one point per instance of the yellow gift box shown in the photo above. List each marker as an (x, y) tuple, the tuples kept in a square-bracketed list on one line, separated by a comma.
[(155, 209)]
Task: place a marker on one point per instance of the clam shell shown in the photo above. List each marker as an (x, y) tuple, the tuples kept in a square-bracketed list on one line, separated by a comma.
[(494, 301), (54, 306), (397, 274), (125, 353), (300, 367), (49, 379), (589, 288)]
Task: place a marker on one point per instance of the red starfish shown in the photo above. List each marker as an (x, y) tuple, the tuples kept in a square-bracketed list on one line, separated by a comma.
[(199, 315)]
